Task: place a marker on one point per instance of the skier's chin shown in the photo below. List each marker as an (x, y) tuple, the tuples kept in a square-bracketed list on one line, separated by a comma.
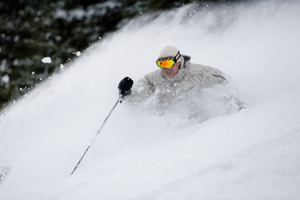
[(170, 75)]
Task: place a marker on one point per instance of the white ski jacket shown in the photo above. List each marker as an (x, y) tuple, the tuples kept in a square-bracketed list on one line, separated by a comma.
[(189, 82)]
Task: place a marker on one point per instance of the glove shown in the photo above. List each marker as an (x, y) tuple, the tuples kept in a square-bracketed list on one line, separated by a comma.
[(125, 86)]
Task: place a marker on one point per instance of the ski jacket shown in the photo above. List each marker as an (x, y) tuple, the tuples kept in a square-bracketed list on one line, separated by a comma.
[(189, 82)]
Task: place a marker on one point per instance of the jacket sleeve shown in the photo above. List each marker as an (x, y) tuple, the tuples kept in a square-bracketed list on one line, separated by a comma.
[(141, 91), (217, 76)]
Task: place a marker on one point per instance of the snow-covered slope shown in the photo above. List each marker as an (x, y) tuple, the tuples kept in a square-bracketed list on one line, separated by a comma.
[(251, 154)]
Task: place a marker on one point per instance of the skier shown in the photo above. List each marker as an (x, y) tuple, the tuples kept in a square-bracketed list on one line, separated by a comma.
[(177, 82)]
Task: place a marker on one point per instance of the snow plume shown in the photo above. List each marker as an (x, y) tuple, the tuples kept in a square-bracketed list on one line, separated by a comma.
[(198, 106), (252, 154)]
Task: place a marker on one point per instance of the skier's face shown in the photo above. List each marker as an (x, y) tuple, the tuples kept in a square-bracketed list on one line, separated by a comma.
[(171, 72)]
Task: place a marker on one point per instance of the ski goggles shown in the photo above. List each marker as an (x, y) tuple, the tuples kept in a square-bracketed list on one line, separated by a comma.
[(167, 62)]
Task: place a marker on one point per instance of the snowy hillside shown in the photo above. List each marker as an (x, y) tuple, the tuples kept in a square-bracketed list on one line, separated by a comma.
[(250, 154)]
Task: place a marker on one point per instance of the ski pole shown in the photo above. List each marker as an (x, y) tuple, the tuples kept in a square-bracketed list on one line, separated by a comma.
[(119, 100)]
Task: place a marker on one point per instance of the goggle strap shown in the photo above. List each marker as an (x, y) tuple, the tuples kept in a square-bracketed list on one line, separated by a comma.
[(175, 58)]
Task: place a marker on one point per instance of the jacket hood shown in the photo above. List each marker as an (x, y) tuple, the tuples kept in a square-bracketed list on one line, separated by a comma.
[(185, 61)]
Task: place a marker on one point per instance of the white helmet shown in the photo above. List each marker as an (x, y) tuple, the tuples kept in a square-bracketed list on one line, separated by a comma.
[(170, 52)]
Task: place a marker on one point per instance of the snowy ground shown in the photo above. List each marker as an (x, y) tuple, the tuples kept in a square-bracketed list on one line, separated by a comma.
[(251, 154)]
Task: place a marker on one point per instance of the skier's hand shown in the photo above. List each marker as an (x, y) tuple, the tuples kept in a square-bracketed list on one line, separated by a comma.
[(125, 86)]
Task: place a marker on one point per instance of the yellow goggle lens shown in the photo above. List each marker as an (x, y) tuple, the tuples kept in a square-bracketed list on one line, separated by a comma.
[(165, 64)]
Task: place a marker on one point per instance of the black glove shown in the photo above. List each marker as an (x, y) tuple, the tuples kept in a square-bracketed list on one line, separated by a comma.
[(125, 86)]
